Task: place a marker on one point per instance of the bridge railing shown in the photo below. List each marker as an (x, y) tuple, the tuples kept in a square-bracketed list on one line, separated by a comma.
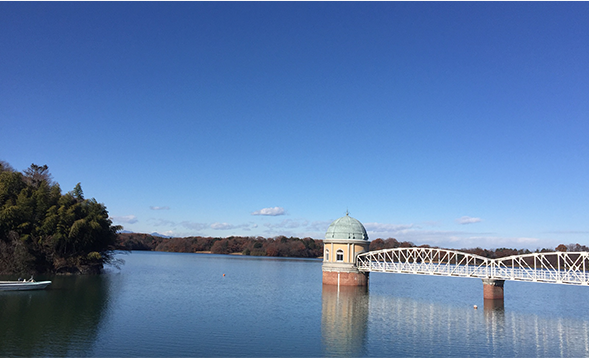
[(551, 267)]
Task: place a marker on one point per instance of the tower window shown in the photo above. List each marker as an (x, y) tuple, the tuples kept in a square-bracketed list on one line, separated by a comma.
[(326, 255), (339, 255)]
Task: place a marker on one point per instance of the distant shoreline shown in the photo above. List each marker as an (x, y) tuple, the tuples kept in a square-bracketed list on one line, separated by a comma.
[(209, 252)]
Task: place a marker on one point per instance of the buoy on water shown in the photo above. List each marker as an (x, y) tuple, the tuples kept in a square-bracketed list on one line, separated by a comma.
[(476, 307), (223, 275)]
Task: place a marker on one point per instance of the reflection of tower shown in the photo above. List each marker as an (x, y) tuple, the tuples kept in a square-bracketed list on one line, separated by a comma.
[(344, 319), (344, 240)]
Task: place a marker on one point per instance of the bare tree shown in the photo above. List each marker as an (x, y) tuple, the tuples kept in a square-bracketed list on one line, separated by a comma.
[(5, 167), (36, 174)]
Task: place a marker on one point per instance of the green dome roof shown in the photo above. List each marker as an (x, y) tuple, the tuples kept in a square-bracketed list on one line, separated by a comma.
[(346, 228)]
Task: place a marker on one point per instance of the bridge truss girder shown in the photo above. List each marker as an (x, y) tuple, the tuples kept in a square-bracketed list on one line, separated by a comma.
[(550, 267)]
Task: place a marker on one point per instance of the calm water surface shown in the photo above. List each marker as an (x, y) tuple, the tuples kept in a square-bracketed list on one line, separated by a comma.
[(168, 304)]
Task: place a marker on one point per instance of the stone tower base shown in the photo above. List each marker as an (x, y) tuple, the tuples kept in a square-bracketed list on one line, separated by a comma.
[(345, 278)]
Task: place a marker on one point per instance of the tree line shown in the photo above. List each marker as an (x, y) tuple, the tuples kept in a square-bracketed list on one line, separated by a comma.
[(280, 246), (45, 231)]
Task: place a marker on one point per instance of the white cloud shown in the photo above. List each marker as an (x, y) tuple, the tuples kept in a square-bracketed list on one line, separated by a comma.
[(221, 226), (320, 225), (194, 226), (162, 222), (275, 211), (127, 219), (468, 220), (159, 207), (226, 226), (388, 229)]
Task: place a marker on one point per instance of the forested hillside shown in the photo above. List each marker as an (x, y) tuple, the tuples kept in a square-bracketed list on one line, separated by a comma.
[(45, 231)]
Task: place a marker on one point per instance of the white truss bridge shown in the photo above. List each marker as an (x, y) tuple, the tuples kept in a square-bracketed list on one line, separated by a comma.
[(571, 268)]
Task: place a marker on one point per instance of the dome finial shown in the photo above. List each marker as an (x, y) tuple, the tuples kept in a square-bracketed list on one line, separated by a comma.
[(347, 212)]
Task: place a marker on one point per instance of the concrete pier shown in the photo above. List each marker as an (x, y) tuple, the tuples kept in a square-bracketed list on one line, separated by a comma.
[(493, 289)]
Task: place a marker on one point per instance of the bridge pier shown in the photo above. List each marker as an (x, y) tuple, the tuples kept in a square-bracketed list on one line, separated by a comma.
[(493, 289)]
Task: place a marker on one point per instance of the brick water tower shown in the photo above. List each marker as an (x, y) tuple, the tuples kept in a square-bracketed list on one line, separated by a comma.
[(345, 239)]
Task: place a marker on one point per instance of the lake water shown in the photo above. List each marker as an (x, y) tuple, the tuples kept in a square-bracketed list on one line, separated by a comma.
[(170, 304)]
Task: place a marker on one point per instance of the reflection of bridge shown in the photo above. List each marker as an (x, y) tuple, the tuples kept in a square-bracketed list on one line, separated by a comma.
[(570, 268)]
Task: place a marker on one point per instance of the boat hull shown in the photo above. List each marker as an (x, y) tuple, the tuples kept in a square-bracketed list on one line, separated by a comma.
[(23, 286)]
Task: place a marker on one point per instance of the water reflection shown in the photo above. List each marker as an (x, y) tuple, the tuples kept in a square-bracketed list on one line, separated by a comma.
[(344, 320), (546, 336), (408, 327), (494, 311), (492, 306), (62, 320)]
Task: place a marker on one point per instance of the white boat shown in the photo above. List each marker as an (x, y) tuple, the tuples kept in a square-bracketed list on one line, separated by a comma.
[(22, 285)]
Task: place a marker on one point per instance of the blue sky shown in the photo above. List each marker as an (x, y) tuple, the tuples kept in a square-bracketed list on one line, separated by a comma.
[(450, 124)]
